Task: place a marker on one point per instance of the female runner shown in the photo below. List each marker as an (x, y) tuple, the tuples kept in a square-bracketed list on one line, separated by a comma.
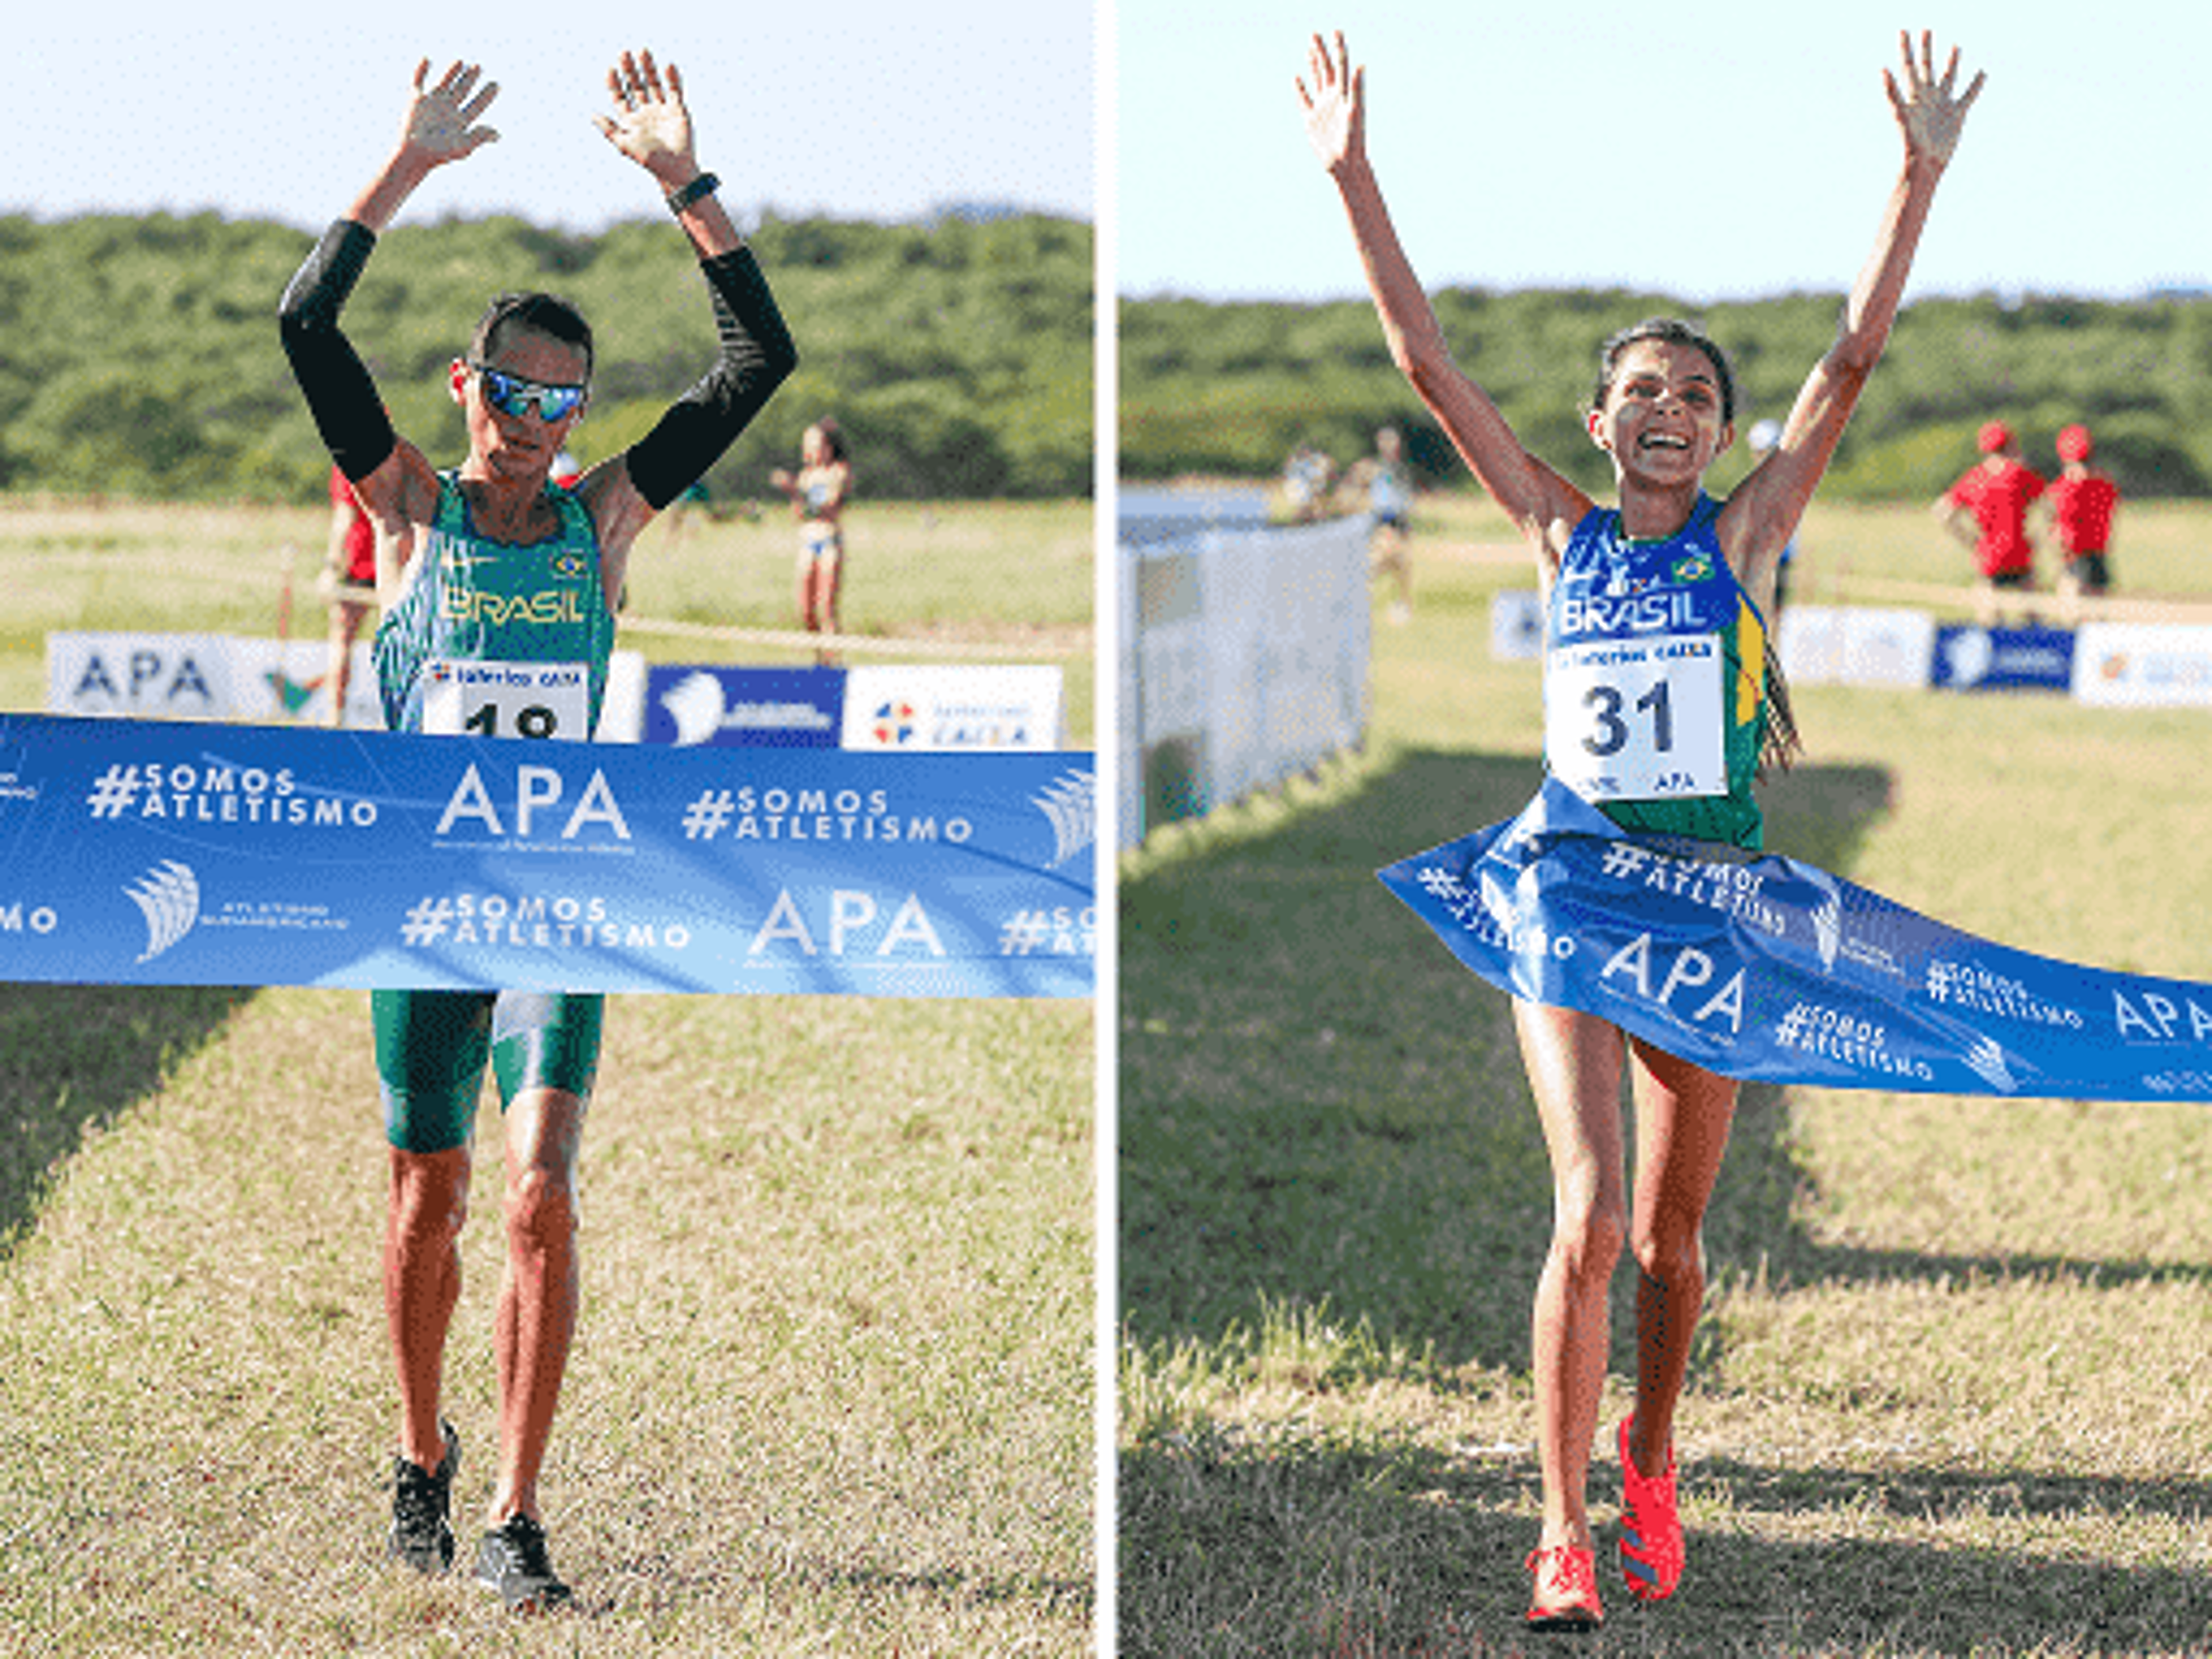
[(1672, 750), (818, 492)]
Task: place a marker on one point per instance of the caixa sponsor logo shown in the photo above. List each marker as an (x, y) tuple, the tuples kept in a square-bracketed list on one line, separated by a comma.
[(17, 917)]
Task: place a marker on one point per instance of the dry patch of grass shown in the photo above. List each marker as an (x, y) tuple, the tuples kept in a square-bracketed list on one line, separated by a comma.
[(832, 1392)]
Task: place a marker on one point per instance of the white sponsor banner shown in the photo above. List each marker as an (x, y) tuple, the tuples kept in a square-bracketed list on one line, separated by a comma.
[(2135, 664), (1857, 645), (263, 682), (930, 709), (204, 677)]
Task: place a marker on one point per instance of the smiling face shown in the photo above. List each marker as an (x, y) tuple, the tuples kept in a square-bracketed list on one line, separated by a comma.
[(1663, 418), (519, 447)]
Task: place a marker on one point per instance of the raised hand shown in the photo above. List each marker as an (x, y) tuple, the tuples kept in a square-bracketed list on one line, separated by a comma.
[(440, 125), (1932, 116), (649, 123), (1336, 104)]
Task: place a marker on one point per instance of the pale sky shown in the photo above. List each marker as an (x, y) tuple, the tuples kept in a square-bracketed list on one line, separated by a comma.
[(867, 109), (1705, 149)]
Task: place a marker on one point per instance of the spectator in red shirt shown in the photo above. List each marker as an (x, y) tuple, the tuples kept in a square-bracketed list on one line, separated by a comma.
[(2082, 501), (348, 585), (1987, 509)]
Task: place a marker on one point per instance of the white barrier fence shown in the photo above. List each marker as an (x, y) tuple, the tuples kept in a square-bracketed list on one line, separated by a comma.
[(1244, 656)]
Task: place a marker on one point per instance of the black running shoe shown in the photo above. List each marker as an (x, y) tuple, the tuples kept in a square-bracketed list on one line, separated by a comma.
[(420, 1500), (514, 1562)]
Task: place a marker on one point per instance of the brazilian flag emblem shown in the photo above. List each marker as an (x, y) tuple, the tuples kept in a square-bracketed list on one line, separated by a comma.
[(1692, 568)]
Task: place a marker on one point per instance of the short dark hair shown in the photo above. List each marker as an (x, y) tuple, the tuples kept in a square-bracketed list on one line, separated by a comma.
[(541, 314), (1672, 331)]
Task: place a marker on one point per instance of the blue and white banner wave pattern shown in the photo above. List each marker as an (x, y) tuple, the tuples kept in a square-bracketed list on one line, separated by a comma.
[(156, 853), (1762, 967)]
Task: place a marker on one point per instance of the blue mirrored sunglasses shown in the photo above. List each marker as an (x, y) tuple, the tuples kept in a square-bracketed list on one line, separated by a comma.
[(511, 394)]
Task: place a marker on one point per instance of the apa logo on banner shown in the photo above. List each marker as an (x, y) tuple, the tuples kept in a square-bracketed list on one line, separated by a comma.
[(143, 852), (162, 676)]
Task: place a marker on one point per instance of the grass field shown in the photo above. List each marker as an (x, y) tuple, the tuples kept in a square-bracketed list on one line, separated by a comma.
[(1010, 575), (832, 1388), (1953, 1394)]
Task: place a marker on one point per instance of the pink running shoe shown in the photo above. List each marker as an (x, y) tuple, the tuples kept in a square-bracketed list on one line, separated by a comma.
[(1650, 1528), (1565, 1595)]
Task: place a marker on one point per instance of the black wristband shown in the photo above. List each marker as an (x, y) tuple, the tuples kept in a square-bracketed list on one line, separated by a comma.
[(705, 185)]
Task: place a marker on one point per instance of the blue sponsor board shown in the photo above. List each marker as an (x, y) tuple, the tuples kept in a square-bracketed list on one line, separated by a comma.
[(1764, 968), (772, 708), (2003, 659), (158, 853)]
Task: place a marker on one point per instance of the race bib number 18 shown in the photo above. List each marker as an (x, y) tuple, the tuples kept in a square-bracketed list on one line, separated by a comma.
[(508, 700), (1637, 719)]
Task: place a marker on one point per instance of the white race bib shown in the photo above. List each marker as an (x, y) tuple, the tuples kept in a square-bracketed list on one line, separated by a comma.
[(1638, 719), (508, 700)]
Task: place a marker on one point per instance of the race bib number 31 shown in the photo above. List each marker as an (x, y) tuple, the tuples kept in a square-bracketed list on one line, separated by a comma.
[(1636, 719), (508, 700)]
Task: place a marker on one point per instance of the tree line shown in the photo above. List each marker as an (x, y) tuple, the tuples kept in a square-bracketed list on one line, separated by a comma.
[(139, 356), (1231, 388)]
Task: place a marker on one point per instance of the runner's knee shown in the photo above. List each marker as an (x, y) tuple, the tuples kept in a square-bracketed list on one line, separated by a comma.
[(1588, 1231), (1670, 1250), (429, 1196), (541, 1208)]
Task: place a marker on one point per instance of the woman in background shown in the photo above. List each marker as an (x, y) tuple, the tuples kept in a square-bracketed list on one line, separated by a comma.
[(817, 493)]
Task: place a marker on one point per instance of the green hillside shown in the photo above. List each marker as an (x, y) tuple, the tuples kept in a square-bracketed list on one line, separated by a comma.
[(139, 356)]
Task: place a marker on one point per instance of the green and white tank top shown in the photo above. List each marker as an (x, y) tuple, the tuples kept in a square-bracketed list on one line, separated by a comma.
[(494, 639)]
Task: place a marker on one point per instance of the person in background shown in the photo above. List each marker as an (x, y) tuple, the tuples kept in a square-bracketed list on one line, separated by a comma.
[(1387, 485), (348, 586), (1987, 509), (817, 493), (1307, 478), (2083, 500)]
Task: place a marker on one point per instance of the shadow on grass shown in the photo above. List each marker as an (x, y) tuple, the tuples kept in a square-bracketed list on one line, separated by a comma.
[(1318, 1105), (1318, 1108), (1412, 1552), (1056, 1595), (74, 1058)]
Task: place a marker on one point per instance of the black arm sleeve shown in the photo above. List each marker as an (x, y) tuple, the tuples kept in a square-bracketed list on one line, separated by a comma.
[(757, 356), (340, 393)]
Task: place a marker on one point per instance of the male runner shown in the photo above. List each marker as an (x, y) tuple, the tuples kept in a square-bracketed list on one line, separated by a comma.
[(455, 550)]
